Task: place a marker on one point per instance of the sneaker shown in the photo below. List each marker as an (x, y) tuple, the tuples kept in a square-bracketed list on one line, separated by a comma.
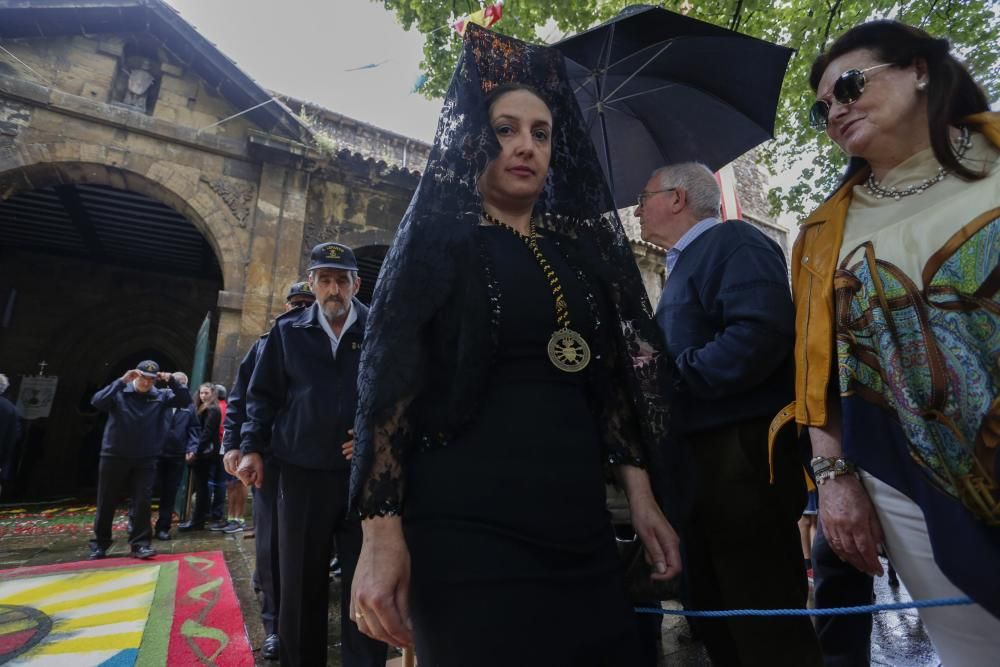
[(143, 552), (163, 535), (233, 527), (98, 554), (218, 526)]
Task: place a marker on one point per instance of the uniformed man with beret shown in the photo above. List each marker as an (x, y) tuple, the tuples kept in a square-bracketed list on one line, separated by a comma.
[(300, 409), (265, 498), (133, 438)]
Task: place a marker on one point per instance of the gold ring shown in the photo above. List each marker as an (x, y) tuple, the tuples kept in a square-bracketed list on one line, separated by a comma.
[(359, 615)]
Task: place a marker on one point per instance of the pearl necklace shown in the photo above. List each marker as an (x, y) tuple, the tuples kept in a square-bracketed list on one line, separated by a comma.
[(875, 189)]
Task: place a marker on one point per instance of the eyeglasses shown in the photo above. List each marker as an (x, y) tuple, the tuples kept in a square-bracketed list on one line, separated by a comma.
[(643, 196), (847, 89)]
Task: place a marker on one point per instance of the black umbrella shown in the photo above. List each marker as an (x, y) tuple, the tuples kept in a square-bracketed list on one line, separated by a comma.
[(657, 87)]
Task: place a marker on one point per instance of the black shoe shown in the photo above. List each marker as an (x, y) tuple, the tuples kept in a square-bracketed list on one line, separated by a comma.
[(163, 535), (98, 554), (188, 526), (143, 552), (218, 526), (271, 648)]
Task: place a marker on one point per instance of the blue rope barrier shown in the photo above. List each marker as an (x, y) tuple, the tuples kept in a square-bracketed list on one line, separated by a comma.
[(830, 611)]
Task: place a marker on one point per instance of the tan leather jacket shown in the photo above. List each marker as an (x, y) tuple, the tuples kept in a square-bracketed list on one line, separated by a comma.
[(814, 261)]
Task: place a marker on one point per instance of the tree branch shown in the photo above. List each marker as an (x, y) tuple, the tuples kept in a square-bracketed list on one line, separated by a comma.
[(734, 22), (829, 22)]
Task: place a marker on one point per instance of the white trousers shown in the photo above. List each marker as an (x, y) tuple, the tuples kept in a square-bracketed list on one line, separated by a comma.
[(964, 636)]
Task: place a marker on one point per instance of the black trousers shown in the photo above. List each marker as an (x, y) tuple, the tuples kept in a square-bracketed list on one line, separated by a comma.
[(265, 520), (119, 478), (168, 480), (846, 640), (201, 469), (742, 548), (217, 479), (312, 510)]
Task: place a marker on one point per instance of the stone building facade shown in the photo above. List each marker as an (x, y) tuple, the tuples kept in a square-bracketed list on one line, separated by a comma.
[(146, 182)]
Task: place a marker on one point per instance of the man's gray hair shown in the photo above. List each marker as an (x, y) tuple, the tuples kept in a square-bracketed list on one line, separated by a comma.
[(703, 193), (353, 275), (4, 383)]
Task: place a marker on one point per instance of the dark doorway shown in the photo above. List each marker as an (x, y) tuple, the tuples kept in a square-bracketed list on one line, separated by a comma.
[(370, 258), (101, 279)]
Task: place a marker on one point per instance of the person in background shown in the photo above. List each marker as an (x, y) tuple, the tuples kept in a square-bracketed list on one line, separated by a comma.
[(201, 455), (267, 572), (10, 431), (727, 320), (133, 437), (182, 433), (218, 479)]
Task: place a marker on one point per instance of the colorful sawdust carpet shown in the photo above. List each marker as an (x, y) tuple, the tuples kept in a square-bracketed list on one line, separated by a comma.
[(177, 610), (53, 518)]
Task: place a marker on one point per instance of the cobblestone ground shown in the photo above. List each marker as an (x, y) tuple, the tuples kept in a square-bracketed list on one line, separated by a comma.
[(898, 639)]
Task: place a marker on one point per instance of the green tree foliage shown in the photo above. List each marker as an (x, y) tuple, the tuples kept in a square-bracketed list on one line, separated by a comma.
[(973, 26)]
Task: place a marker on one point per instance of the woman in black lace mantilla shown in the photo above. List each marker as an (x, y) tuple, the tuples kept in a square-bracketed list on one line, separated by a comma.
[(510, 355)]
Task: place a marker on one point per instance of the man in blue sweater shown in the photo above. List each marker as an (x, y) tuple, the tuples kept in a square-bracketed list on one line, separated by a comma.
[(133, 438), (727, 319)]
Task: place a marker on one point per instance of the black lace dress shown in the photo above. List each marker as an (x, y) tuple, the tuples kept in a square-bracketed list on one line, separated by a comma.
[(494, 459), (513, 558)]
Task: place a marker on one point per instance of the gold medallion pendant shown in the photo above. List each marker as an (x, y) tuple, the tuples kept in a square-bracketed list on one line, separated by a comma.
[(568, 351)]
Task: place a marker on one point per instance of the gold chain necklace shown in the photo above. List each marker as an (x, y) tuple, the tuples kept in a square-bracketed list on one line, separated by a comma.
[(567, 349)]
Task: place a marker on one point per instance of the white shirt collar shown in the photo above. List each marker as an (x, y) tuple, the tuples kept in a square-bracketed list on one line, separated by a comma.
[(352, 317)]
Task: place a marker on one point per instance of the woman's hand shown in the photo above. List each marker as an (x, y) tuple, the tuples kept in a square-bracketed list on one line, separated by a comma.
[(850, 523), (380, 593), (845, 510), (659, 539)]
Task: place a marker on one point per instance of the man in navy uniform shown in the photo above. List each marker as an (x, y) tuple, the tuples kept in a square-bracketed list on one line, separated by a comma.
[(133, 438), (300, 409), (182, 431), (265, 501)]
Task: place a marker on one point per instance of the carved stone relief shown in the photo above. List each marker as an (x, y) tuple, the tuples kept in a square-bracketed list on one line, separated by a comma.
[(239, 196), (14, 117)]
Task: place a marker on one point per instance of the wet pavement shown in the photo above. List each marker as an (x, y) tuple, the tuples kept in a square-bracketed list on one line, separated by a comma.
[(898, 639)]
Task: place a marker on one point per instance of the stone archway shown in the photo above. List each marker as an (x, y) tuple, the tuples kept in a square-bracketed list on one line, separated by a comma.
[(184, 189), (138, 308)]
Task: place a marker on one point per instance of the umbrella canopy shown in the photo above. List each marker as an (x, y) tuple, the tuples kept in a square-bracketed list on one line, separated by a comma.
[(657, 87)]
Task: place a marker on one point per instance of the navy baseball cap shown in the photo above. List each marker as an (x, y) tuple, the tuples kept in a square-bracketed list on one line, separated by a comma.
[(300, 289), (332, 256), (148, 368)]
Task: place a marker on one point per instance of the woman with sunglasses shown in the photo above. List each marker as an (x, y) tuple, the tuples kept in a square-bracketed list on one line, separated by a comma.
[(896, 274)]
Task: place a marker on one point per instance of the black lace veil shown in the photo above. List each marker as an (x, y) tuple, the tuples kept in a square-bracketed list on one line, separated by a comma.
[(420, 274)]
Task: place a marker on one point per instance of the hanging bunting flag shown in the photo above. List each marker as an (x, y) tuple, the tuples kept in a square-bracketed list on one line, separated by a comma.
[(419, 83), (485, 17)]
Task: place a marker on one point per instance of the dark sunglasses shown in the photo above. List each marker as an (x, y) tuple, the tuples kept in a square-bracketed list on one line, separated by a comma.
[(847, 89)]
